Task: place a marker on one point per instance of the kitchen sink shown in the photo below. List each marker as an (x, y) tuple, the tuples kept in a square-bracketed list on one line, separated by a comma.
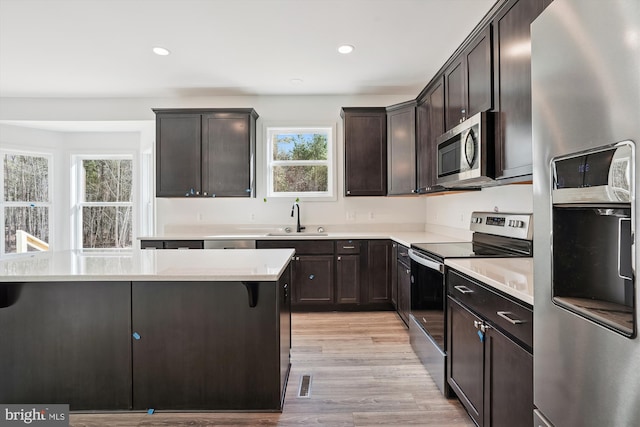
[(284, 233)]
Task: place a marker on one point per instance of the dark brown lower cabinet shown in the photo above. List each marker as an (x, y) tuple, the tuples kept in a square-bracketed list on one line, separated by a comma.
[(379, 271), (203, 346), (466, 360), (489, 369), (313, 278), (339, 274), (404, 291), (509, 382), (348, 279), (66, 343)]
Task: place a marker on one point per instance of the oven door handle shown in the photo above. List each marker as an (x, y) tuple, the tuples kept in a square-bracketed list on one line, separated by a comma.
[(429, 263)]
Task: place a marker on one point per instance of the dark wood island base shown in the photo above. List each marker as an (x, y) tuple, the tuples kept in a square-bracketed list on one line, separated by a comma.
[(140, 345)]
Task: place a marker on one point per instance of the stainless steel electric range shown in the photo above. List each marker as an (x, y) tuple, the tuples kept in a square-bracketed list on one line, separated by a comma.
[(495, 235)]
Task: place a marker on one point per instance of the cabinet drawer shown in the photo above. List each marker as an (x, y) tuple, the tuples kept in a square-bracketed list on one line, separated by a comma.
[(184, 244), (347, 247), (509, 316), (306, 247)]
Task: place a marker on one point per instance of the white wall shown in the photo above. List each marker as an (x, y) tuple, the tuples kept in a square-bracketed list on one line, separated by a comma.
[(202, 214), (448, 213)]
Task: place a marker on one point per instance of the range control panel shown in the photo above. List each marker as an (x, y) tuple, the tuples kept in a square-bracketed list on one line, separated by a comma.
[(517, 225)]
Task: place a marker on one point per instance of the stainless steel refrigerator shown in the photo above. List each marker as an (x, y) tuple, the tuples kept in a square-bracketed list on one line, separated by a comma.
[(586, 131)]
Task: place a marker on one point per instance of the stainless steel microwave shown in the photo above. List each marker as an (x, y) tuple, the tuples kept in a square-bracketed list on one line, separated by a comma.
[(465, 153)]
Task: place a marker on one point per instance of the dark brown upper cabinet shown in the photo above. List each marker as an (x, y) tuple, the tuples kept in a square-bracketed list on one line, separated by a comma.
[(429, 126), (512, 83), (365, 151), (469, 80), (205, 152), (401, 148)]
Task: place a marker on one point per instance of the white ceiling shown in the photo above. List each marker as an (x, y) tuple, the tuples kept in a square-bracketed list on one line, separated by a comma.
[(102, 48)]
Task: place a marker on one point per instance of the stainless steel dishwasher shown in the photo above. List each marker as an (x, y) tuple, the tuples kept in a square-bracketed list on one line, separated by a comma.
[(229, 244)]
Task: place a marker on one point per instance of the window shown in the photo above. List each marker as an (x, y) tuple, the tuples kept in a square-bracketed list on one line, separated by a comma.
[(105, 202), (26, 199), (300, 161)]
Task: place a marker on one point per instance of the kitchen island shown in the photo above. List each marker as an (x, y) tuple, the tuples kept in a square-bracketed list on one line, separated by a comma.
[(141, 330)]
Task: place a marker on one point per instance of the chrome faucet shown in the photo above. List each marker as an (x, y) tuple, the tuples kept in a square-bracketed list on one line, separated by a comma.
[(293, 208)]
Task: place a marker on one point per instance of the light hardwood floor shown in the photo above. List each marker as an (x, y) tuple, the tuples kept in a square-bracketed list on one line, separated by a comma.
[(364, 373)]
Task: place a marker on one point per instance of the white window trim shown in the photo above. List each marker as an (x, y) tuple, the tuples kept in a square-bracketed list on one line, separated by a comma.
[(49, 204), (78, 203), (312, 196)]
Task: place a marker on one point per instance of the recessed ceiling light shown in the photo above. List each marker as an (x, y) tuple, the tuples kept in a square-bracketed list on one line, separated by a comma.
[(345, 48), (161, 51), (296, 81)]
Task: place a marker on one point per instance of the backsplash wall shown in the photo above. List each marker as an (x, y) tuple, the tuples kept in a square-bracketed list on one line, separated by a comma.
[(451, 213)]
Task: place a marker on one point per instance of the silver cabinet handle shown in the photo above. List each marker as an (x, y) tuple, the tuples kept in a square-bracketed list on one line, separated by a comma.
[(463, 289), (348, 247), (339, 258), (484, 327), (505, 315)]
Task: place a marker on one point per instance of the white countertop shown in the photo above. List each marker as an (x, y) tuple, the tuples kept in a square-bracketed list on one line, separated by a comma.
[(513, 276), (405, 238), (145, 265)]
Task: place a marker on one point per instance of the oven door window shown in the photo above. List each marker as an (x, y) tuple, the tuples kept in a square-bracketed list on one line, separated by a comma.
[(427, 301)]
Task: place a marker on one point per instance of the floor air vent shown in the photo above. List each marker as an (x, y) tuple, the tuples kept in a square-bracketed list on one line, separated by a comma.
[(304, 390)]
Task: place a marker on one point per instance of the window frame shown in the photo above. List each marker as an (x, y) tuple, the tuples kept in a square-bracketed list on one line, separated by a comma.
[(330, 162), (79, 203), (49, 204)]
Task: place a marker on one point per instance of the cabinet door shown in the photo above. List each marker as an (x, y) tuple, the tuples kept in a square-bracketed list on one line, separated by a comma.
[(454, 78), (512, 65), (284, 297), (401, 149), (313, 279), (479, 67), (465, 349), (66, 342), (348, 279), (430, 125), (365, 145), (508, 382), (227, 163), (379, 270), (404, 292), (394, 276), (201, 346), (178, 154)]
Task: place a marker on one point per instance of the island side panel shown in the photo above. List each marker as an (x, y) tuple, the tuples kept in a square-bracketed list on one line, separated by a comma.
[(202, 347), (284, 289), (66, 342)]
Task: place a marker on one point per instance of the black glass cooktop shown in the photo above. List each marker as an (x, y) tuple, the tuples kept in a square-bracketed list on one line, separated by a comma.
[(460, 250), (499, 249)]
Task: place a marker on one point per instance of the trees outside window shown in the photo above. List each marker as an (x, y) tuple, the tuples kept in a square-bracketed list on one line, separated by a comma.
[(105, 203), (300, 162), (26, 200)]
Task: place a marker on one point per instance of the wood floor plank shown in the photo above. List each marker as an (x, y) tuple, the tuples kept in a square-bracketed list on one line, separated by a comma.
[(364, 373)]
